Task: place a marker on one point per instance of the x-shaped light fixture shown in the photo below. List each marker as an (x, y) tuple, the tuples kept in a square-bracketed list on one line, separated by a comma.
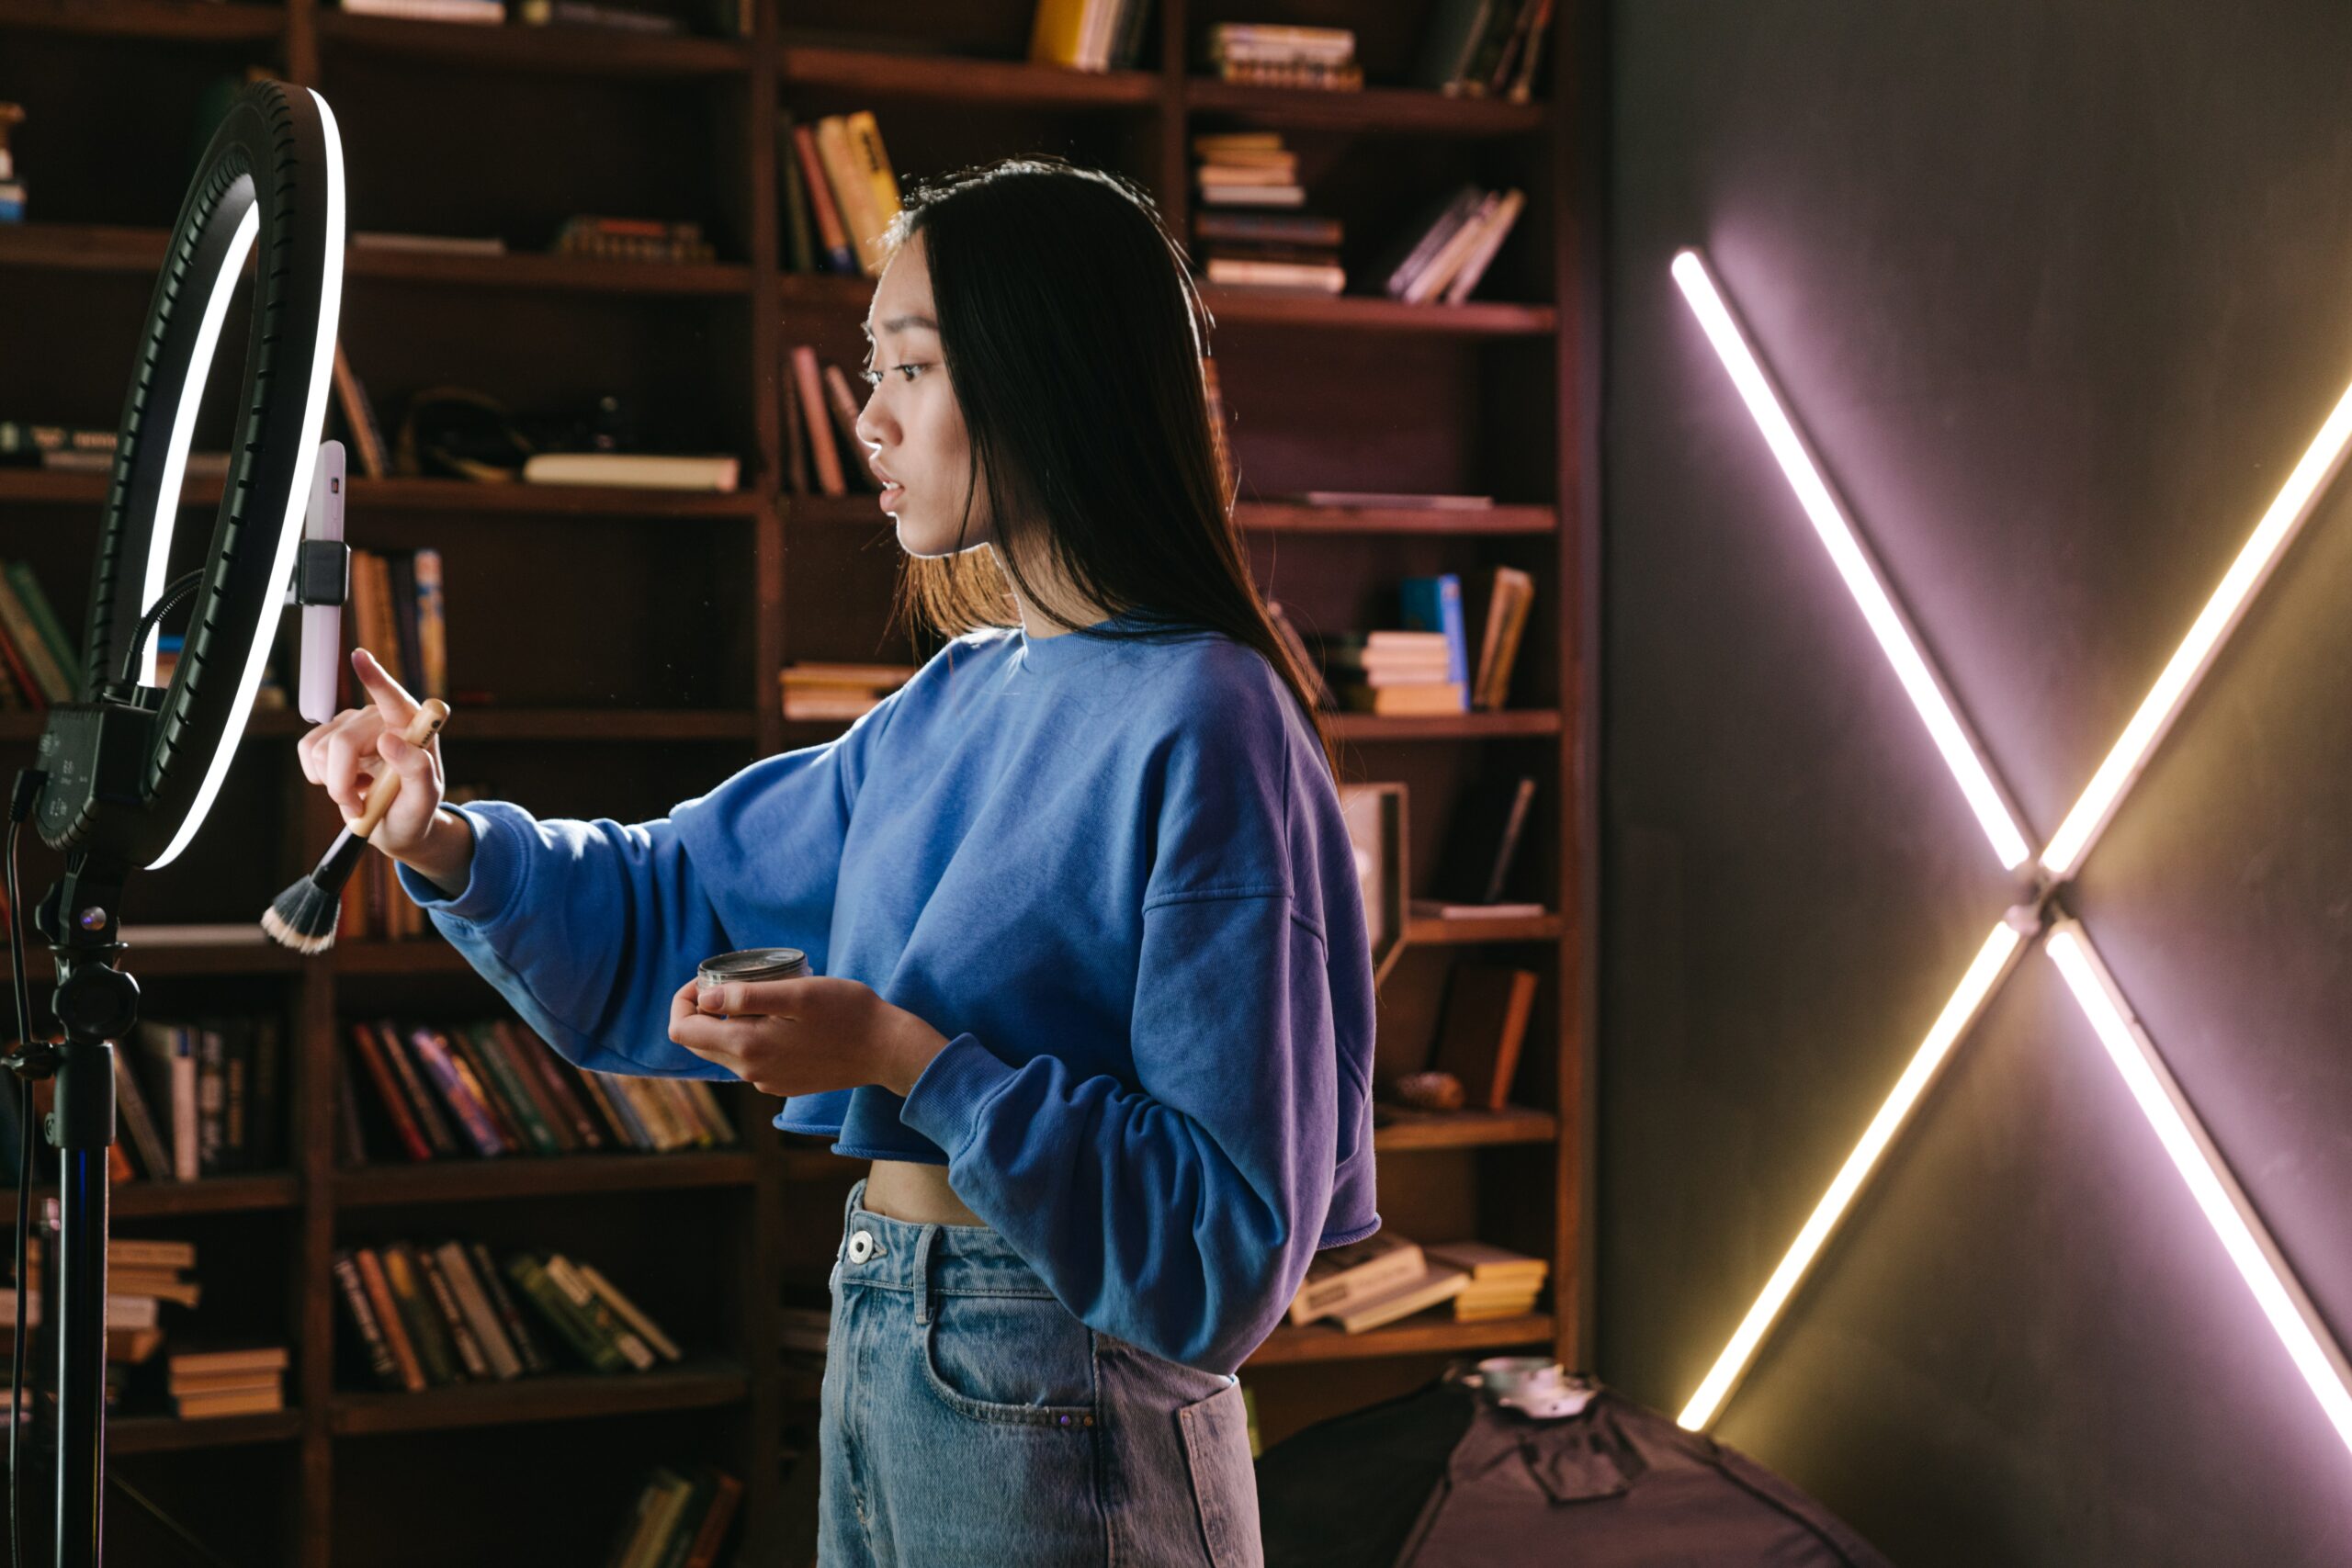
[(2298, 1325)]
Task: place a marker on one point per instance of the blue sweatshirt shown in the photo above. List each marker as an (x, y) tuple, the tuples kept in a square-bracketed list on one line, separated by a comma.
[(1113, 873)]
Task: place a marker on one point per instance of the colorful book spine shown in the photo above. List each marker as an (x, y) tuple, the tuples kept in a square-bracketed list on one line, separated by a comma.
[(362, 1313), (459, 1094)]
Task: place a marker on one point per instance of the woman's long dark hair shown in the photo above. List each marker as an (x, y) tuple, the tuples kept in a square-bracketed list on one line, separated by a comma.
[(1074, 341)]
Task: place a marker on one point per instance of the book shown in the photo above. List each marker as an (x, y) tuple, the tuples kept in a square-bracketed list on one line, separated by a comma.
[(1340, 1277), (420, 1316), (573, 1328), (389, 1318), (808, 390), (1434, 1284), (1487, 1264), (800, 247), (1485, 1022), (1491, 234), (517, 1328), (832, 236), (360, 1311), (718, 472), (598, 1312), (480, 1316), (630, 1314), (717, 1515), (358, 413), (1483, 837), (1433, 603), (843, 404)]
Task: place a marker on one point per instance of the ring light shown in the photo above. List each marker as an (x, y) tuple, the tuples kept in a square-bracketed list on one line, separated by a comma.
[(128, 770)]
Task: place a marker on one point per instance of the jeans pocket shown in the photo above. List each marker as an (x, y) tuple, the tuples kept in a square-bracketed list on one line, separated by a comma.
[(1224, 1482), (1014, 1359)]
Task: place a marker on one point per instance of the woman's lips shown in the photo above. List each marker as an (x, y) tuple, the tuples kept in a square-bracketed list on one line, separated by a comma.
[(891, 495)]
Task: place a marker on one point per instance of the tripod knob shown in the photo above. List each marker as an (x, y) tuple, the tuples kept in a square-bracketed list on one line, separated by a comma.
[(95, 1002)]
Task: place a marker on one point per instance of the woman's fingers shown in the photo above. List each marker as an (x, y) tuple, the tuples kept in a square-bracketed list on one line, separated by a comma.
[(708, 1038)]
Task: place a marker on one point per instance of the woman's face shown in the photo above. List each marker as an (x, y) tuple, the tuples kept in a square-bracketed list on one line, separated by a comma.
[(913, 431)]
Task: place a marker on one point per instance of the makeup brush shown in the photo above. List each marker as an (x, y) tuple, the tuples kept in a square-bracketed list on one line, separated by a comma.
[(302, 916)]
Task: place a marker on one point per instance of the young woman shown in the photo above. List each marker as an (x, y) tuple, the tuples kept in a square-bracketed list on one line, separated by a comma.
[(1090, 980)]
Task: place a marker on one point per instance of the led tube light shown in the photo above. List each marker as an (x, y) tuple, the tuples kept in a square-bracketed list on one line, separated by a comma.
[(1863, 578), (1993, 960)]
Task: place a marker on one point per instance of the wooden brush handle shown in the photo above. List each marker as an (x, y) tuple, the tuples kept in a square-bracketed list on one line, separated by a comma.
[(431, 715)]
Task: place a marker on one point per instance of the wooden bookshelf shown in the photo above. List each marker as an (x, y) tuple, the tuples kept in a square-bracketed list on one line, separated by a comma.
[(617, 701)]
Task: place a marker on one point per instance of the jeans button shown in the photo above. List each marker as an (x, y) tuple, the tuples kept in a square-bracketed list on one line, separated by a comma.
[(861, 1246)]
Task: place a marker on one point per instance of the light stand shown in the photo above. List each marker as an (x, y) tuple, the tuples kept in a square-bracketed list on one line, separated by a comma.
[(127, 773)]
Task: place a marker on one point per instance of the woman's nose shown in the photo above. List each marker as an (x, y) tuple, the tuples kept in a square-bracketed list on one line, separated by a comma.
[(872, 423)]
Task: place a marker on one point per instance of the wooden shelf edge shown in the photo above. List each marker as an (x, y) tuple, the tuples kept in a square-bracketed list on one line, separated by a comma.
[(1422, 930), (166, 1433), (1464, 1129), (147, 1198), (556, 1397), (1424, 1334), (518, 1176)]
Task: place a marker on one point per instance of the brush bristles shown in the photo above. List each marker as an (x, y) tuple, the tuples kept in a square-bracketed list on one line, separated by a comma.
[(303, 918)]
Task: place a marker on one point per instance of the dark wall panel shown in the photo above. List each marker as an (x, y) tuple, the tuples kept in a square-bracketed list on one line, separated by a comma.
[(2061, 293)]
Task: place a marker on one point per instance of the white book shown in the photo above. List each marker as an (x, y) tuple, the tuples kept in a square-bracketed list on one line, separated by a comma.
[(491, 13), (1340, 1276), (639, 470)]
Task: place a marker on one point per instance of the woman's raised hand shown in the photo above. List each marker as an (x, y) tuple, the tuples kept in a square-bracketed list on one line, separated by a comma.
[(348, 751)]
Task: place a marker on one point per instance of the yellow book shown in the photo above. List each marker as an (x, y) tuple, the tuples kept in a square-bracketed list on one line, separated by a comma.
[(873, 161), (851, 192), (1053, 37)]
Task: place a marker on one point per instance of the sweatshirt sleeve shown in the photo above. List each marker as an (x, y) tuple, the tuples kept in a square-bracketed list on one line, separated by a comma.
[(589, 928), (1178, 1213)]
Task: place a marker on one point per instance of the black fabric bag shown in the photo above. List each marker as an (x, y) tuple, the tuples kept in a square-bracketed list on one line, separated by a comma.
[(1445, 1478)]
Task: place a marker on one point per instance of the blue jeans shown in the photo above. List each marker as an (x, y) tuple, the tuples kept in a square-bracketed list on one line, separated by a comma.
[(970, 1420)]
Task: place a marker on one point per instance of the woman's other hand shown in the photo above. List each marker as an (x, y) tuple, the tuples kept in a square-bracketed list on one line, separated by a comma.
[(804, 1036), (348, 751)]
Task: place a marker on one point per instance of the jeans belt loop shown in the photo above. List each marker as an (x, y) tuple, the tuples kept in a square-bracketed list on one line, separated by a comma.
[(922, 1274)]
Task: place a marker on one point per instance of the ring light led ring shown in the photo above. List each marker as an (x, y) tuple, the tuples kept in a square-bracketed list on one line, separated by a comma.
[(272, 176)]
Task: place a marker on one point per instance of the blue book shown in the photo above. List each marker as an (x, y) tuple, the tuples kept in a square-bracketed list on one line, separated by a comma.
[(1435, 605)]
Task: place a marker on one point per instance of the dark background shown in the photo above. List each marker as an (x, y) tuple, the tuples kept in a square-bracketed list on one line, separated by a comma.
[(2061, 293)]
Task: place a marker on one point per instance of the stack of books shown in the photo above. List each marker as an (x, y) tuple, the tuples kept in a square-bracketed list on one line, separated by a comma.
[(838, 690), (243, 1382), (1088, 35), (820, 427), (1246, 168), (1372, 1282), (632, 239), (428, 1318), (201, 1097), (1271, 55), (496, 1090), (398, 614), (1255, 249), (1502, 1283), (1392, 671), (1445, 250), (1483, 49), (839, 193), (81, 449), (679, 1520)]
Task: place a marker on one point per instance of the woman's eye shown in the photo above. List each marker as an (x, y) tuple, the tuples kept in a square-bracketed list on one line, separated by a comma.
[(873, 377)]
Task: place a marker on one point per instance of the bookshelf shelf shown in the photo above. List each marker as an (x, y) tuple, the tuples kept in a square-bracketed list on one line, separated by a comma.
[(1275, 517), (556, 1397), (1372, 110), (1424, 1333), (1495, 724), (898, 76), (182, 21), (1470, 933), (148, 1198), (562, 51), (553, 273), (83, 247), (457, 1181), (1410, 1128), (261, 957), (464, 495), (427, 954), (46, 487), (1353, 313), (170, 1434)]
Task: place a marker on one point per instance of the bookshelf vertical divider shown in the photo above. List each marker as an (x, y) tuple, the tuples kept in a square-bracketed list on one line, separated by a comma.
[(791, 1198)]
